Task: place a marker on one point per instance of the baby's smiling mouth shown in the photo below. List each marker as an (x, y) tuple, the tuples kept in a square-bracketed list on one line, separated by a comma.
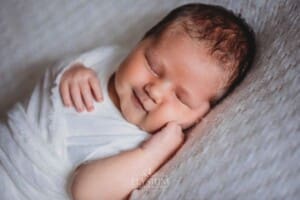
[(138, 100)]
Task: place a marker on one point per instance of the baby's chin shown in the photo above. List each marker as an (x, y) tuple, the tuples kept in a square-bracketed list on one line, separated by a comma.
[(137, 122), (183, 127), (149, 129), (152, 129)]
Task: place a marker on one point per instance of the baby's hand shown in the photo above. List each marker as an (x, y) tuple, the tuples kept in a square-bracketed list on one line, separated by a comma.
[(78, 86), (166, 141)]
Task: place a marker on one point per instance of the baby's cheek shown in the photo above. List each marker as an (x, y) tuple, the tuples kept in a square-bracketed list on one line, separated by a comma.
[(171, 113), (162, 115), (182, 115), (139, 79), (158, 118)]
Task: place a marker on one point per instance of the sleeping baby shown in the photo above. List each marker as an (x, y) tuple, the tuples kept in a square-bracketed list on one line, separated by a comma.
[(183, 66), (102, 124)]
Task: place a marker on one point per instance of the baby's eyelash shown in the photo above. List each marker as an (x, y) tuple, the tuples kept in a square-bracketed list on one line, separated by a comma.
[(151, 68), (178, 97), (181, 100), (154, 72)]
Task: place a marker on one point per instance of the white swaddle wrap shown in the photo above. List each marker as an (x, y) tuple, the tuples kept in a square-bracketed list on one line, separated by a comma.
[(42, 141)]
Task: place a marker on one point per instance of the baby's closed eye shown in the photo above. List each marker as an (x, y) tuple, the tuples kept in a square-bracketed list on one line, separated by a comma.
[(152, 68)]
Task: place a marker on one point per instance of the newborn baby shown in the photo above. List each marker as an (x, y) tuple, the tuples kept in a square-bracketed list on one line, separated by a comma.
[(181, 68)]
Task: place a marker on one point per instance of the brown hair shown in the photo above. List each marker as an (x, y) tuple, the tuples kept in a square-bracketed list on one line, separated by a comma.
[(229, 38)]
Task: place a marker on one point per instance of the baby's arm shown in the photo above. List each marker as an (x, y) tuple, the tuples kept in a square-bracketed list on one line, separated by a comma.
[(115, 177)]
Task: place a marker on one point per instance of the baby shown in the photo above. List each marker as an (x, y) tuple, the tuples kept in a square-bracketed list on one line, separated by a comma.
[(181, 68)]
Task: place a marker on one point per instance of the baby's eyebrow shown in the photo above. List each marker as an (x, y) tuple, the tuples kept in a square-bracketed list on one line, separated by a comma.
[(149, 60), (149, 51), (149, 55)]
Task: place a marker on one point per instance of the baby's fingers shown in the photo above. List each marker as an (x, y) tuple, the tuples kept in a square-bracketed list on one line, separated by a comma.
[(76, 97), (87, 95), (95, 86), (65, 93)]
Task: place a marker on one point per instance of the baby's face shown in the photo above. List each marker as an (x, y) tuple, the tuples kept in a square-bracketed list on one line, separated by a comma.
[(170, 79)]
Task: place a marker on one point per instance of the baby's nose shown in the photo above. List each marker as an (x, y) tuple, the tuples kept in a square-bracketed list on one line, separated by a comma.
[(158, 90)]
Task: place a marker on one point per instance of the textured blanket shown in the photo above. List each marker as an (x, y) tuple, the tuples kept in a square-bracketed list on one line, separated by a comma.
[(34, 164)]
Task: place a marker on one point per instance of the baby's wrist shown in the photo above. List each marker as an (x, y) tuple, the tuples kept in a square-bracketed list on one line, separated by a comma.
[(155, 150)]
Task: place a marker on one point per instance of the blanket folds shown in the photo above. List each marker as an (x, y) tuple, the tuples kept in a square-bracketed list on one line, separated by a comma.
[(31, 153)]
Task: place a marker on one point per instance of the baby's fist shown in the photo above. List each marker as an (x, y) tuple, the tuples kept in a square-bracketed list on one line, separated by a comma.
[(165, 141), (171, 135), (78, 86)]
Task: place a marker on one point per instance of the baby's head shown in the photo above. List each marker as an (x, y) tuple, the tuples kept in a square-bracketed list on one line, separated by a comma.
[(183, 66)]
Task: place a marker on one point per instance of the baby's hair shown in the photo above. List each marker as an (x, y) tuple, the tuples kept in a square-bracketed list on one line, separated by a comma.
[(228, 37)]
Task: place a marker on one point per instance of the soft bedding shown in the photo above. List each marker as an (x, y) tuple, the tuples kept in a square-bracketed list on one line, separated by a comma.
[(247, 148)]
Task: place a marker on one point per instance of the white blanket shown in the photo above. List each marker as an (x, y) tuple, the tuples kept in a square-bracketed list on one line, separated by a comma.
[(32, 163), (42, 141)]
